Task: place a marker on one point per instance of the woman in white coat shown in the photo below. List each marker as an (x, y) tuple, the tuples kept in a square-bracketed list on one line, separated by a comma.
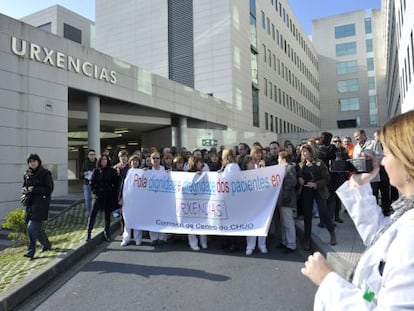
[(384, 276)]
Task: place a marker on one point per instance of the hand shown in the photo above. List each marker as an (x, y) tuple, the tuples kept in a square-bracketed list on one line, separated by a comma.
[(316, 268), (30, 189), (301, 181), (364, 178), (311, 184)]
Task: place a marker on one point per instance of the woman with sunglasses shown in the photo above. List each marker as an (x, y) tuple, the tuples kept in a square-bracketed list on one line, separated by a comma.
[(157, 238)]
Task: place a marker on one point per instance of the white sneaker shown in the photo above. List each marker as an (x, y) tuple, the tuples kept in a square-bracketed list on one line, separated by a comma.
[(124, 243), (249, 252), (195, 248), (263, 250)]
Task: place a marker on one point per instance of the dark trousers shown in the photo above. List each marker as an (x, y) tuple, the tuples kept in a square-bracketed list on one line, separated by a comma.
[(36, 231), (307, 196), (92, 217)]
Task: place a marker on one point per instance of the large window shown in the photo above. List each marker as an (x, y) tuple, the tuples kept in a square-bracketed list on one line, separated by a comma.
[(344, 31), (72, 33), (255, 104), (253, 32), (370, 46), (263, 20), (346, 67), (345, 86), (368, 25), (370, 64), (344, 49), (253, 61), (371, 83), (348, 104)]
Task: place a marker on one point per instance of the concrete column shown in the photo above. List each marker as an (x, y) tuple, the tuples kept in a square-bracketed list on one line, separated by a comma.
[(182, 132), (94, 124)]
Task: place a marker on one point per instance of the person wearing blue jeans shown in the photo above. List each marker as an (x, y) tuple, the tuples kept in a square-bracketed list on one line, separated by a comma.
[(37, 187), (87, 170), (36, 231)]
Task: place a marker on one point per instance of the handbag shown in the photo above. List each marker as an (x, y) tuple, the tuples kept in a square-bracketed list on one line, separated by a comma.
[(24, 199)]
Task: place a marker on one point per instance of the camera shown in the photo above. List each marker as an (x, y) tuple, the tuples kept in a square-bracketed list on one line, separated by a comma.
[(340, 166), (361, 165)]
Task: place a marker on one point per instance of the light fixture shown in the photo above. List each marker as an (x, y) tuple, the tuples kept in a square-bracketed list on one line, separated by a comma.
[(121, 130), (84, 135)]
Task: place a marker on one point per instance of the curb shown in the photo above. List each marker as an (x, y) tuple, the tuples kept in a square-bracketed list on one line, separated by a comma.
[(39, 279)]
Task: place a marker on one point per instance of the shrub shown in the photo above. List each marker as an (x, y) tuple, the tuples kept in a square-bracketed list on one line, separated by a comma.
[(15, 221)]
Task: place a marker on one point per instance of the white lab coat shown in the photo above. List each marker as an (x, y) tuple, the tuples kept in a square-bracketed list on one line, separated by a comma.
[(394, 290)]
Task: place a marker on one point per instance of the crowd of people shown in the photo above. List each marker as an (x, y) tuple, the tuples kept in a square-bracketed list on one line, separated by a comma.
[(318, 176), (314, 171)]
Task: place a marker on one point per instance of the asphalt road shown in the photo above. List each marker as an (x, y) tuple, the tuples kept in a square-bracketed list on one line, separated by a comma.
[(173, 277)]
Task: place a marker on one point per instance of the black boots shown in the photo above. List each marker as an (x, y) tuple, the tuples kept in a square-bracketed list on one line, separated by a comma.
[(333, 238)]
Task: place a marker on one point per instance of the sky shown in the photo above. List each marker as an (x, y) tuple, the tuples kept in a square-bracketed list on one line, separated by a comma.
[(305, 10)]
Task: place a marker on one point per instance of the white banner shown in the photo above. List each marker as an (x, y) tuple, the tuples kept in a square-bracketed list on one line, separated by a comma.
[(238, 203)]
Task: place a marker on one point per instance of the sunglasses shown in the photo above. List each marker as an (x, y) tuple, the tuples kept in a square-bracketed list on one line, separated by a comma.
[(336, 141), (155, 158)]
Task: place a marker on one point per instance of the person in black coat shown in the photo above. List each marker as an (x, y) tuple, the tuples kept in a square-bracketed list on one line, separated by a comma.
[(37, 188), (104, 185)]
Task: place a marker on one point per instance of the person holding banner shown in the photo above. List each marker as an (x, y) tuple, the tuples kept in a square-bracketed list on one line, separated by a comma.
[(229, 165), (134, 162), (157, 238), (256, 154), (196, 164)]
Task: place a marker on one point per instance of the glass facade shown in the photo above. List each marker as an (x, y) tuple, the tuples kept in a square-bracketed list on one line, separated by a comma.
[(345, 86), (370, 64), (348, 104), (255, 106), (72, 33), (368, 25), (369, 45), (350, 66), (344, 49), (371, 83), (344, 31)]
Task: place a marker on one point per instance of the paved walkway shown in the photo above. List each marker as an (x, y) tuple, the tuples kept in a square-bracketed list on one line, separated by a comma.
[(343, 256)]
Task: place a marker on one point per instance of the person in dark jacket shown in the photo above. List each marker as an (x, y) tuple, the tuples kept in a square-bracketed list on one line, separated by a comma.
[(37, 187), (286, 203), (104, 186), (313, 177)]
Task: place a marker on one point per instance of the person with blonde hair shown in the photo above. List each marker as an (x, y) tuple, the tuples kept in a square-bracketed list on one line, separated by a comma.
[(384, 276)]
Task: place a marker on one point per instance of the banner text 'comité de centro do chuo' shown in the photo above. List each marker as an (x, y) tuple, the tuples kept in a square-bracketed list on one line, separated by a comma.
[(237, 203)]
